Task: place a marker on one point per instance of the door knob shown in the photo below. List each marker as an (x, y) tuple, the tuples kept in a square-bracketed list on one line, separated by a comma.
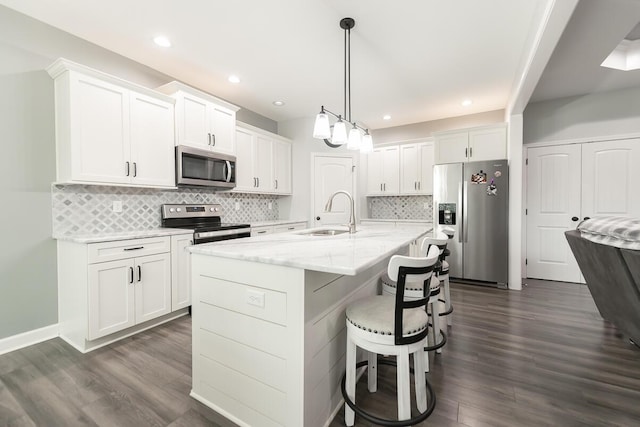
[(317, 218), (574, 219)]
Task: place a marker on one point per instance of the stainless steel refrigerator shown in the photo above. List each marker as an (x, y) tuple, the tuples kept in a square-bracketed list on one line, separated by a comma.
[(472, 198)]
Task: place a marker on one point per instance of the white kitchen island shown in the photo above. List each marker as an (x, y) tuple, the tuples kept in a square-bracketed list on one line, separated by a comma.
[(268, 320)]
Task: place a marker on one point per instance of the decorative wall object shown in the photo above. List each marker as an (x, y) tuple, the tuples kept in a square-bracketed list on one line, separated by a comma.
[(83, 209), (401, 207)]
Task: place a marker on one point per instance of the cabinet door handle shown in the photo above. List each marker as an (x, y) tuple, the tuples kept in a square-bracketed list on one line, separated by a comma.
[(276, 184), (470, 151), (419, 185), (415, 185), (127, 168), (135, 169), (384, 186), (130, 274), (291, 228), (139, 273), (134, 249), (213, 139), (208, 139), (258, 178), (262, 232), (380, 187), (466, 152)]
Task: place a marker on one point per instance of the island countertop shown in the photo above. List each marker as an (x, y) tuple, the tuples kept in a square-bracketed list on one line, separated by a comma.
[(346, 253)]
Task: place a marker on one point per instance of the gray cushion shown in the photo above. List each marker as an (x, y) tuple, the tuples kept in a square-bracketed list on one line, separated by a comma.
[(621, 232), (376, 314)]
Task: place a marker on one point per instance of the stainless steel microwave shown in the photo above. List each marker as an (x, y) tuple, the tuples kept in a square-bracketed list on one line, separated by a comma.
[(195, 167)]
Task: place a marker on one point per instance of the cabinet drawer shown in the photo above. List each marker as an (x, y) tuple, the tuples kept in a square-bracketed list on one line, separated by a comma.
[(260, 231), (122, 249)]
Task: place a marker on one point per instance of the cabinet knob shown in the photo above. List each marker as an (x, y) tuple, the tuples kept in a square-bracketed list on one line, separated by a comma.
[(317, 218), (574, 218), (586, 218)]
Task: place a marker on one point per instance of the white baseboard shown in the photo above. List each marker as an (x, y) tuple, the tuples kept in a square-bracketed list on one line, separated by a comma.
[(26, 339)]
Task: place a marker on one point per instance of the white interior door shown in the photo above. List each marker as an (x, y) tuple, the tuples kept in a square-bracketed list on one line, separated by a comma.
[(331, 174), (553, 205), (609, 184)]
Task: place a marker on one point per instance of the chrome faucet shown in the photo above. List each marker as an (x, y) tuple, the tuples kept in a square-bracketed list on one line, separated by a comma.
[(352, 215)]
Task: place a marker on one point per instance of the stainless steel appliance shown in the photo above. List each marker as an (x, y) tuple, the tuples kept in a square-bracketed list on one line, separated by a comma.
[(472, 198), (205, 222), (196, 167)]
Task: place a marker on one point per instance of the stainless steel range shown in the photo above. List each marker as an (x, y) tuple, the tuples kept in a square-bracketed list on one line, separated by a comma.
[(205, 222)]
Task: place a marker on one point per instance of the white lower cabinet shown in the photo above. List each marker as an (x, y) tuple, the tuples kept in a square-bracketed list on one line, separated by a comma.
[(180, 272), (107, 289)]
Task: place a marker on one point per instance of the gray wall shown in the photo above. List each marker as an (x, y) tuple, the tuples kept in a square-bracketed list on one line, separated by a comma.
[(425, 129), (28, 282), (588, 116)]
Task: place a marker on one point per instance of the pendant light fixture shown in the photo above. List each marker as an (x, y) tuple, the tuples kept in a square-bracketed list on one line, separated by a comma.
[(322, 128)]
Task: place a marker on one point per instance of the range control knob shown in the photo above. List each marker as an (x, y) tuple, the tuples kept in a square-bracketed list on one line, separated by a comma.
[(211, 209), (217, 209), (178, 209), (171, 210)]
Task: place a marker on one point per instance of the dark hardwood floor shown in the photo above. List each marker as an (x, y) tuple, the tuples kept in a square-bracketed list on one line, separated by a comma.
[(539, 357)]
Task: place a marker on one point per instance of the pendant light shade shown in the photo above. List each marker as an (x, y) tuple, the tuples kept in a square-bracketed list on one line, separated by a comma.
[(339, 133), (367, 143), (321, 128), (354, 139)]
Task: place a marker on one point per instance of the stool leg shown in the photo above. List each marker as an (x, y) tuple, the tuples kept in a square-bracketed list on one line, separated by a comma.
[(350, 380), (447, 299), (372, 371), (404, 384), (426, 360), (435, 310), (421, 387)]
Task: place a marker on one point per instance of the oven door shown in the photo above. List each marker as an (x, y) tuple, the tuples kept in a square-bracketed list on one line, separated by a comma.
[(216, 236), (204, 168)]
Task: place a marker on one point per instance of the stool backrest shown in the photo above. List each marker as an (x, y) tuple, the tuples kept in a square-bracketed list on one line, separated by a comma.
[(439, 240), (419, 268)]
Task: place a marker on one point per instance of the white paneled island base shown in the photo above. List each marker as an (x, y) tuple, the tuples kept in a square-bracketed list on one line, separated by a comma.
[(268, 320)]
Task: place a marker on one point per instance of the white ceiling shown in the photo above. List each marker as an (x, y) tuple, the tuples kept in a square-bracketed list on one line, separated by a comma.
[(413, 59), (594, 30)]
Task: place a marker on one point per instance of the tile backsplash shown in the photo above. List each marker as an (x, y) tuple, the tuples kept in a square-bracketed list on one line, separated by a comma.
[(401, 207), (86, 209)]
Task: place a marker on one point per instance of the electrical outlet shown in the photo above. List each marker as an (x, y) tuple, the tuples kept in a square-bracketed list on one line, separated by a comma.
[(255, 298), (270, 205), (237, 206), (117, 206), (426, 206)]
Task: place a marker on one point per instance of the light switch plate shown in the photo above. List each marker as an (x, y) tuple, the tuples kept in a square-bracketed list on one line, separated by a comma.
[(237, 206), (255, 298), (270, 205), (117, 206)]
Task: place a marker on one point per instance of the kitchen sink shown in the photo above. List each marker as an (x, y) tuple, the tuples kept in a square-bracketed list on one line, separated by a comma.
[(323, 232)]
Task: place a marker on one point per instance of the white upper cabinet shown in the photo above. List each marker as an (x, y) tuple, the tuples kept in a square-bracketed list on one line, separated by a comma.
[(263, 162), (416, 168), (383, 175), (110, 131), (202, 120), (471, 145), (282, 167)]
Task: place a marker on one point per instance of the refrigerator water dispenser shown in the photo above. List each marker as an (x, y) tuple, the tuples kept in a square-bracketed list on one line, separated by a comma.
[(447, 213)]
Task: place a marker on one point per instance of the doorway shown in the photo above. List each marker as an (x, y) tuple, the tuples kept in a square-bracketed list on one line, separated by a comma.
[(331, 173)]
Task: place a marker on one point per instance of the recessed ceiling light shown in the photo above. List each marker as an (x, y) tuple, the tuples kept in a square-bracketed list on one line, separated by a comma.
[(278, 103), (234, 79), (466, 102), (162, 41), (386, 117)]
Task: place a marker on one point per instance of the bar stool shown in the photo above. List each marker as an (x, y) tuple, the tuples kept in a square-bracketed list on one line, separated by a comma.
[(392, 326), (443, 276), (414, 290)]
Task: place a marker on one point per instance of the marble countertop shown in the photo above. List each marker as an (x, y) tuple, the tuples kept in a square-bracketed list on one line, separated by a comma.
[(346, 253), (275, 222), (408, 221), (123, 235)]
